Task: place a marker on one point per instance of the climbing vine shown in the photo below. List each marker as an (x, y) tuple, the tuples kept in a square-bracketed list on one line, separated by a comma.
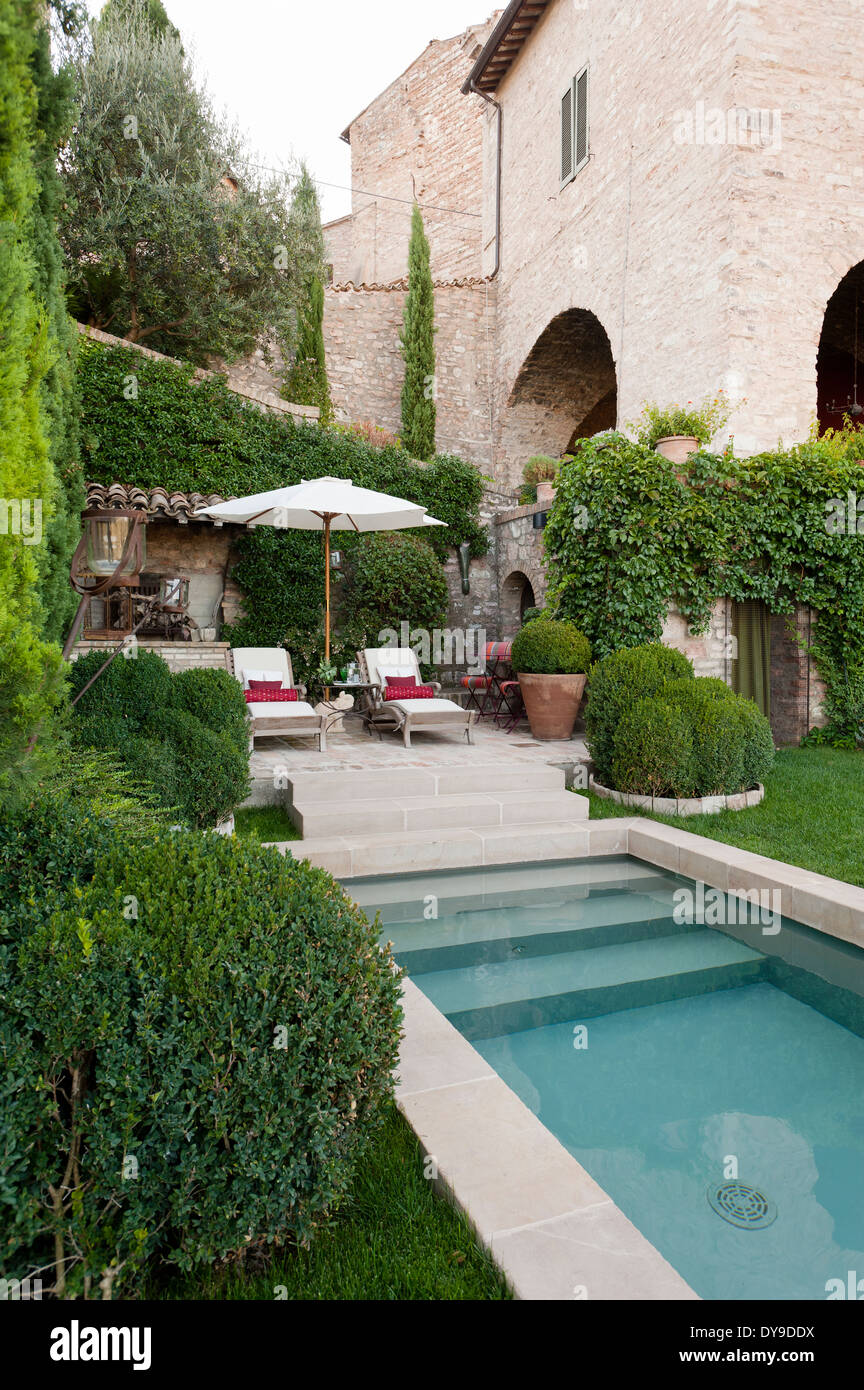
[(629, 531)]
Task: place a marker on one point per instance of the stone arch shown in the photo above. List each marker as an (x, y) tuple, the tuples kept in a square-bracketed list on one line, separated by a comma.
[(840, 359), (566, 389), (517, 595)]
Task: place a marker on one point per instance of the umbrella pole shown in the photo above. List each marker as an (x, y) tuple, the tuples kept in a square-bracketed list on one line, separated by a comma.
[(327, 598)]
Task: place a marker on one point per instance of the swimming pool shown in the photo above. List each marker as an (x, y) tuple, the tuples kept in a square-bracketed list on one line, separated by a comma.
[(710, 1079)]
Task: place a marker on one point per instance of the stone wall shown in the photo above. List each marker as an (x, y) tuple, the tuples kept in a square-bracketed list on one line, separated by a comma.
[(178, 656), (339, 250), (420, 140), (366, 368)]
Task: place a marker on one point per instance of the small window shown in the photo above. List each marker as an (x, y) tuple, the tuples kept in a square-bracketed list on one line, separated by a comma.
[(574, 127)]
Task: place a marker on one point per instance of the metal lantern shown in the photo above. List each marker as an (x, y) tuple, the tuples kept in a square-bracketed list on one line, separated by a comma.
[(116, 545)]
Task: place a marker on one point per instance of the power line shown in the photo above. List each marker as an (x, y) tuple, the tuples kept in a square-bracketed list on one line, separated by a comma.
[(389, 197)]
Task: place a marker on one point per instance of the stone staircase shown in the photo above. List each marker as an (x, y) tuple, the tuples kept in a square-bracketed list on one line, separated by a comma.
[(387, 820)]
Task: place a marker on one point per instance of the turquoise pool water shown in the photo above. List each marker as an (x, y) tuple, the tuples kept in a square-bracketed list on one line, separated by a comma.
[(670, 1058)]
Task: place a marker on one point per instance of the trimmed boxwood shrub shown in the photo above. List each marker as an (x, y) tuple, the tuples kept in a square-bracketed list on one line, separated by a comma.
[(185, 733), (758, 746), (549, 647), (653, 750), (224, 1026), (615, 683), (216, 698)]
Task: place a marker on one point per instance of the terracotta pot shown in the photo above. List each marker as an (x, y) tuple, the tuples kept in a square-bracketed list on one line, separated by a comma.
[(545, 492), (677, 448), (552, 703)]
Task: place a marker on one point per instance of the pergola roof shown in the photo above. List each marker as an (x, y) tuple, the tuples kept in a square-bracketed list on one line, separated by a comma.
[(504, 44)]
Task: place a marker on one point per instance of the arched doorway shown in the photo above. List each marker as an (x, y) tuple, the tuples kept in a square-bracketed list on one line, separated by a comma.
[(840, 379), (566, 390), (517, 596)]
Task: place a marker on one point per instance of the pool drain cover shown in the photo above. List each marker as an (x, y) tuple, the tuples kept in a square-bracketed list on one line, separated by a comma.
[(742, 1205)]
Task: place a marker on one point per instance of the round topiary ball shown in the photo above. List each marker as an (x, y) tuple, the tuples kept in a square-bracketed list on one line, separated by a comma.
[(551, 647)]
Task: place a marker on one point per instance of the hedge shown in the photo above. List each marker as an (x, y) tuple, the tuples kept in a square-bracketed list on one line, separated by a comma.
[(546, 647), (617, 682), (224, 1026)]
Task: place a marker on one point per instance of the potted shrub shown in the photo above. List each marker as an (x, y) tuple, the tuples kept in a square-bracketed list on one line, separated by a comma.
[(539, 474), (677, 431), (551, 659)]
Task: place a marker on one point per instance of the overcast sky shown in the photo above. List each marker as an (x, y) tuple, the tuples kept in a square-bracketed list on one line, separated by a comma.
[(295, 72)]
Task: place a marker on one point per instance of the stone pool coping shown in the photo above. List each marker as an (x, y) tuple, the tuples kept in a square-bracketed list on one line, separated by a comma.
[(550, 1228)]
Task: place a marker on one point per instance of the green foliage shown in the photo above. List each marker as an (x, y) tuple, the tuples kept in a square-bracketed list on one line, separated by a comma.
[(616, 683), (306, 383), (173, 236), (397, 579), (700, 422), (547, 647), (760, 528), (30, 674), (652, 750), (225, 1028), (185, 733), (418, 348), (532, 614), (55, 113)]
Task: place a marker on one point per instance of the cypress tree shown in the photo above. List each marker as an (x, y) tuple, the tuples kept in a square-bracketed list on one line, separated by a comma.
[(418, 348), (29, 667), (55, 112)]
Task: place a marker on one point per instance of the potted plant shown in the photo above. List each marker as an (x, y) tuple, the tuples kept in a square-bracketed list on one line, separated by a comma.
[(551, 659), (677, 431), (539, 474)]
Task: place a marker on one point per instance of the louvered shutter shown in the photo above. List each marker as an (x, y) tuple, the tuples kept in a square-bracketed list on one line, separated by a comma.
[(567, 136), (580, 119)]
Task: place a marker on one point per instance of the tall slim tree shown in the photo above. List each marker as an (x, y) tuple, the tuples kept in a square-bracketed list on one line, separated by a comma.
[(418, 348), (29, 666), (54, 117), (306, 382), (173, 236)]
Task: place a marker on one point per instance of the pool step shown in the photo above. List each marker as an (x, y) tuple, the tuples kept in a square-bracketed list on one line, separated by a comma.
[(503, 933), (486, 1000)]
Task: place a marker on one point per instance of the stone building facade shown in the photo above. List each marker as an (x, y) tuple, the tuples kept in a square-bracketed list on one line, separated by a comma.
[(672, 200)]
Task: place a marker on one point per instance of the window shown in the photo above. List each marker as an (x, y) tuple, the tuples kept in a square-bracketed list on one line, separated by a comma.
[(574, 127)]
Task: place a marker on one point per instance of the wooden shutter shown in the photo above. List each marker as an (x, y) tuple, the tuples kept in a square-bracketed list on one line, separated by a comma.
[(580, 119), (567, 169)]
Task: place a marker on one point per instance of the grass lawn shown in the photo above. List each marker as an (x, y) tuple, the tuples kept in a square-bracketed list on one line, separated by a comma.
[(812, 815), (392, 1240), (266, 824)]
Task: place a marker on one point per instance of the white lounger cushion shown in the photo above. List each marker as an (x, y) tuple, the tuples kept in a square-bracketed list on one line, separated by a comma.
[(282, 709), (424, 706)]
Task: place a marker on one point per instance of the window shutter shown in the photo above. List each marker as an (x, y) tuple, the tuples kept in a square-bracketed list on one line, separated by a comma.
[(580, 109), (567, 170)]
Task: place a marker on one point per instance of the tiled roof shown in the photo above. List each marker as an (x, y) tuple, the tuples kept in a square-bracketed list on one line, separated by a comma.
[(394, 286), (158, 504), (504, 44)]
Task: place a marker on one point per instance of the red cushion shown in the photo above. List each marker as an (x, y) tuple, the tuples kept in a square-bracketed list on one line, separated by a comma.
[(408, 692), (276, 696), (265, 685)]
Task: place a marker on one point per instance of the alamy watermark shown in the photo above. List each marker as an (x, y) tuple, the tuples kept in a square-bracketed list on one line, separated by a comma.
[(452, 647), (708, 907), (736, 125), (21, 516)]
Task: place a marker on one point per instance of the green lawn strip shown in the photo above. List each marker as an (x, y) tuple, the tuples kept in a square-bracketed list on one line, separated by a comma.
[(812, 814), (266, 824), (393, 1240)]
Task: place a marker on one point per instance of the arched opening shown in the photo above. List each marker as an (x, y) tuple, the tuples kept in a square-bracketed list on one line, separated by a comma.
[(566, 390), (840, 381), (517, 596)]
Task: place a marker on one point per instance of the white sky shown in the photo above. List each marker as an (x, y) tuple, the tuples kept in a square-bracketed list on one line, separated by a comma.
[(294, 73)]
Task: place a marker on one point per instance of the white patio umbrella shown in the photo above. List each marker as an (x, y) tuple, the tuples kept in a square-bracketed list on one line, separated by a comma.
[(324, 504)]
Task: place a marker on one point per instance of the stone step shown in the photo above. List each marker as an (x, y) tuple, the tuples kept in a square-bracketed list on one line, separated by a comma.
[(386, 815), (388, 782), (410, 851)]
